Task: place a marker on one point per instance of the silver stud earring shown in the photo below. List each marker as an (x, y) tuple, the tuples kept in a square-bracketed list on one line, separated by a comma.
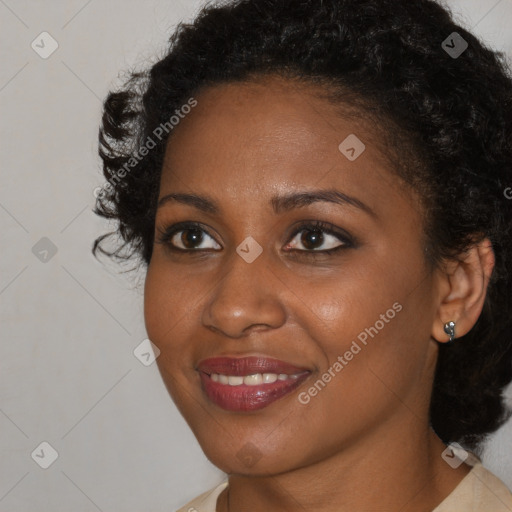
[(449, 328)]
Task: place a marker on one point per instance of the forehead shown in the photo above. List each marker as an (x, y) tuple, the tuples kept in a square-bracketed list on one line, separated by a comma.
[(248, 139)]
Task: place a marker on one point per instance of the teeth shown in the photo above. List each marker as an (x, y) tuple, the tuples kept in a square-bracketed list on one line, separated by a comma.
[(235, 380), (251, 380)]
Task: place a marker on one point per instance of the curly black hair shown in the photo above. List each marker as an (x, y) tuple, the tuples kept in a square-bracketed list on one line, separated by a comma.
[(446, 117)]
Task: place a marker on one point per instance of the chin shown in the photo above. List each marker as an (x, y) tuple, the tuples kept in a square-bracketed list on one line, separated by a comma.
[(245, 458)]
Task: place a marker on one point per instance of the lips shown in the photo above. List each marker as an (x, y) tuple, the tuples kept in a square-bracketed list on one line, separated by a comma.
[(224, 381), (247, 366)]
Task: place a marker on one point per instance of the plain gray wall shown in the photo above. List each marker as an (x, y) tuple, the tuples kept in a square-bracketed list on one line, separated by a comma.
[(70, 324)]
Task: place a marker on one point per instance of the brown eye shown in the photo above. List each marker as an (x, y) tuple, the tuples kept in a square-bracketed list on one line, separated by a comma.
[(187, 237), (311, 239), (190, 237), (318, 237)]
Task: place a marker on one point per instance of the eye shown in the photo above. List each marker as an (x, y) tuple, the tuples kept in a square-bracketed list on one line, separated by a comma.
[(186, 236), (189, 236), (318, 234)]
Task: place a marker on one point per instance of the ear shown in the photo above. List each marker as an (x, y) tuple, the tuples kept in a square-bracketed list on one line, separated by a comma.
[(462, 286)]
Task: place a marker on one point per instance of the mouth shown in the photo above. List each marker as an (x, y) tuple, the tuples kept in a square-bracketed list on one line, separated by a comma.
[(248, 383)]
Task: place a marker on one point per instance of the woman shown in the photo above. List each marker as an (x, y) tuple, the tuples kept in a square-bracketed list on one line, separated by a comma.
[(318, 191)]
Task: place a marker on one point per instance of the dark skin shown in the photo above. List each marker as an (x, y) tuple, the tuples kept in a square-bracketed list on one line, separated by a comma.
[(364, 441)]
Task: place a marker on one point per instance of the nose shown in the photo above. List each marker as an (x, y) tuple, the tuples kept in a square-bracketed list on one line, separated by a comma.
[(247, 298)]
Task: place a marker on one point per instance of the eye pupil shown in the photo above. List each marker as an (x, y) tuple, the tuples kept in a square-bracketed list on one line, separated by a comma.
[(312, 237), (191, 237)]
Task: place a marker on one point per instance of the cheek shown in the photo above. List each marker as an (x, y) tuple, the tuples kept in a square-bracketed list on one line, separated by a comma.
[(373, 336), (360, 385), (166, 303), (379, 363), (156, 305)]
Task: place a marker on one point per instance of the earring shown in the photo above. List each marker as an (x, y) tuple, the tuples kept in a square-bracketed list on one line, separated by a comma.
[(449, 328)]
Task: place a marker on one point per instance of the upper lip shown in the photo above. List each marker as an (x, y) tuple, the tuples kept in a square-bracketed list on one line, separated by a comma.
[(238, 366)]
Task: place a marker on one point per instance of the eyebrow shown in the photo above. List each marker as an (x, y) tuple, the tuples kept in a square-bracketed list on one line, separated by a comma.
[(280, 204)]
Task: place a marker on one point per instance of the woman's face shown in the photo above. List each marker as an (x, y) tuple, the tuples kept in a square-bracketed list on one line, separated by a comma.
[(256, 282)]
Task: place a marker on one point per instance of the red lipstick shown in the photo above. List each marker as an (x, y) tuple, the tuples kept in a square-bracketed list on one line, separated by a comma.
[(248, 383)]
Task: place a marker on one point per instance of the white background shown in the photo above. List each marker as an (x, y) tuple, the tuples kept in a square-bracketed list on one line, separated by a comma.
[(70, 325)]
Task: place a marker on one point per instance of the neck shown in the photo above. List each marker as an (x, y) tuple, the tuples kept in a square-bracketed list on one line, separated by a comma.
[(402, 470)]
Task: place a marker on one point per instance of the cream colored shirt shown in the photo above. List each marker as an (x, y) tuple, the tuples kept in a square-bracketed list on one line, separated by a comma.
[(479, 491)]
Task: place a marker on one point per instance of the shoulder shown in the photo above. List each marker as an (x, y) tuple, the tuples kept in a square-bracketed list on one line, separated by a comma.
[(479, 491), (206, 502)]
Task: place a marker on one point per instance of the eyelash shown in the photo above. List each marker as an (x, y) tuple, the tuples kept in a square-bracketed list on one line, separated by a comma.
[(166, 235)]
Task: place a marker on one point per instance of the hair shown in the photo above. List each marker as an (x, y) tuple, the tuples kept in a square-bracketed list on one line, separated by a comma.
[(448, 118)]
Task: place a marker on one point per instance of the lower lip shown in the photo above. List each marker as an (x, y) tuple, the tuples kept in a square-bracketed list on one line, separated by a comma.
[(245, 398)]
